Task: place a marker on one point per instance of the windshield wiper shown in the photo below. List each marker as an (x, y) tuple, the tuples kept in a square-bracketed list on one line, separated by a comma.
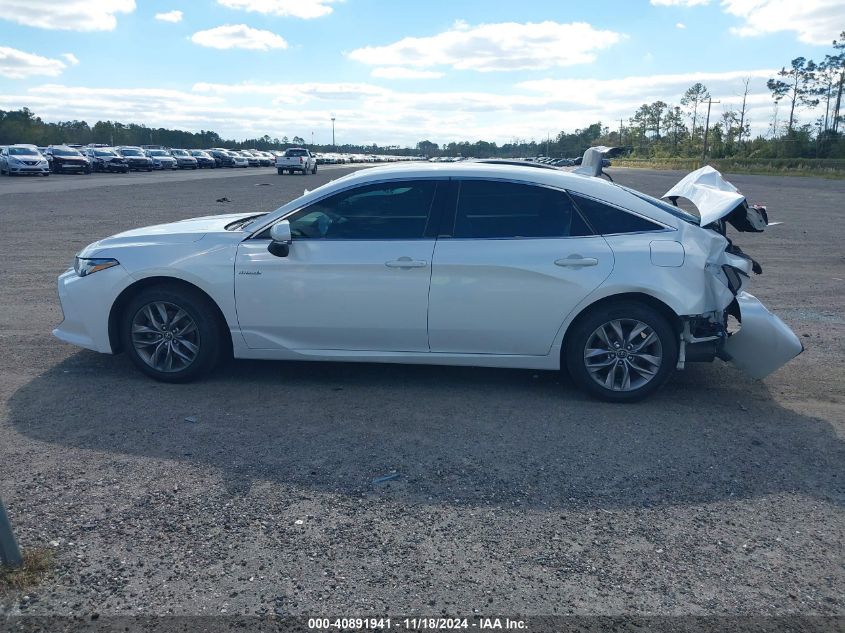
[(239, 224)]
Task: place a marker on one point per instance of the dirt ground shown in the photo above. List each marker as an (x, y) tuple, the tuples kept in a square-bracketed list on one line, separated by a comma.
[(514, 493)]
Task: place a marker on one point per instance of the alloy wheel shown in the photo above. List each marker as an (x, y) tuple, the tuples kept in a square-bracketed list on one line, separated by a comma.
[(623, 354), (165, 336)]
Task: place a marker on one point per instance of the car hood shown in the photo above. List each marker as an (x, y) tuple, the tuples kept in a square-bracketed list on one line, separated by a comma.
[(182, 232), (716, 199)]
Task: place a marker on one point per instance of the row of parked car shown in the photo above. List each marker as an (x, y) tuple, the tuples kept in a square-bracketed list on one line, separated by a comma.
[(32, 159)]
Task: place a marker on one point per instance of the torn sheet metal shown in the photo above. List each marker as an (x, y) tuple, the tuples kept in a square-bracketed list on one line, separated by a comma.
[(714, 196)]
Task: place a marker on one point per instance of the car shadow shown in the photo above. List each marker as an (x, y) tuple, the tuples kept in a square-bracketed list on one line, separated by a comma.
[(446, 434)]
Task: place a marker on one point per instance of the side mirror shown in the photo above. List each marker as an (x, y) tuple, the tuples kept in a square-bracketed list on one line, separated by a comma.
[(281, 239)]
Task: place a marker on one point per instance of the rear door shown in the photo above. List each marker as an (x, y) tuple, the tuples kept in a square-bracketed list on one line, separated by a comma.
[(513, 263)]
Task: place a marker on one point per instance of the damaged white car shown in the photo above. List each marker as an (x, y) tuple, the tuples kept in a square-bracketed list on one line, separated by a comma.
[(451, 264)]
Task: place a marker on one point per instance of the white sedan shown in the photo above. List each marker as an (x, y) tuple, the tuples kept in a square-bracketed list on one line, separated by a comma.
[(451, 264)]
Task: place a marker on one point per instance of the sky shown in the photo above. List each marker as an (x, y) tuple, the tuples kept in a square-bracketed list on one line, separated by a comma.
[(394, 72)]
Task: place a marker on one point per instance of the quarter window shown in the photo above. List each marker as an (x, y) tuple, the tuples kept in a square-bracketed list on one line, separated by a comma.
[(608, 220), (494, 209), (388, 211)]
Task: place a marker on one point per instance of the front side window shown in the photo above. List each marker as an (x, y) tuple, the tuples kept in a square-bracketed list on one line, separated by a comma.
[(387, 211), (499, 210), (608, 220)]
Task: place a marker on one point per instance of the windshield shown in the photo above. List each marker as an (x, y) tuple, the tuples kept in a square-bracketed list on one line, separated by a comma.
[(665, 206), (179, 152), (197, 152), (131, 152), (158, 152), (22, 151), (65, 151), (104, 152)]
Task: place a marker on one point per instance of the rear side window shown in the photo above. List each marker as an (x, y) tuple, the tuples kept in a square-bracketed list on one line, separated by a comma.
[(608, 220), (493, 209)]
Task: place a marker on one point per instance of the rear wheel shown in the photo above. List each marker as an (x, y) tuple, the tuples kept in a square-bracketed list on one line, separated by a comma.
[(171, 333), (314, 169), (280, 171), (621, 352)]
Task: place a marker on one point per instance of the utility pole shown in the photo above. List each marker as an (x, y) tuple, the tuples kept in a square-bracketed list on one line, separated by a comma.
[(620, 132), (10, 553), (710, 102), (334, 145)]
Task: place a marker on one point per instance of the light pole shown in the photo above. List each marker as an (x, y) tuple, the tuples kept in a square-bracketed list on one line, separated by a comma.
[(334, 145)]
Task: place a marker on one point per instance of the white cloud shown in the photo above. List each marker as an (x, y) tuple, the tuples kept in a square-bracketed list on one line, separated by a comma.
[(398, 72), (16, 64), (679, 3), (239, 36), (367, 112), (630, 92), (816, 21), (68, 15), (305, 9), (170, 16), (71, 59), (492, 47), (680, 25)]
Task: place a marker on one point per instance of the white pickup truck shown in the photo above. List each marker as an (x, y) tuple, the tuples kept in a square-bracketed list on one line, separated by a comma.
[(296, 159)]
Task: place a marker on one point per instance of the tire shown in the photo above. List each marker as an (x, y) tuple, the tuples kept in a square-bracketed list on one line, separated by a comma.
[(280, 171), (627, 356), (206, 335), (314, 169)]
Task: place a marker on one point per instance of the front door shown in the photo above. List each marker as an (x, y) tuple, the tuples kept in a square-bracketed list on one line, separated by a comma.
[(356, 277)]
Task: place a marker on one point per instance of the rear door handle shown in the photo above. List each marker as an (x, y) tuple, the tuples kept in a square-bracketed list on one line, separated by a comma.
[(576, 261), (406, 262)]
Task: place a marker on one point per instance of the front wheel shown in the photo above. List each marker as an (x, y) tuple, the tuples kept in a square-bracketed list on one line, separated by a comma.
[(280, 171), (621, 352), (171, 333)]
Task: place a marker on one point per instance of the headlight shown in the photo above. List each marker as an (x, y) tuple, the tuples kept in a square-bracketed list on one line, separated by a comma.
[(86, 266), (15, 161)]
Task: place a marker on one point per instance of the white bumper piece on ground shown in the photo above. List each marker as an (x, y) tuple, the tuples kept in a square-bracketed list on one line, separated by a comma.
[(764, 343)]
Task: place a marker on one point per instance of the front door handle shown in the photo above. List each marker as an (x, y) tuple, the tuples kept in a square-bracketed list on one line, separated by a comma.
[(576, 261), (406, 262)]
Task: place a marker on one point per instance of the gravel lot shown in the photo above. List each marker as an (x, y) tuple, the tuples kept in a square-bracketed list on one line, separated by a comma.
[(515, 493)]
